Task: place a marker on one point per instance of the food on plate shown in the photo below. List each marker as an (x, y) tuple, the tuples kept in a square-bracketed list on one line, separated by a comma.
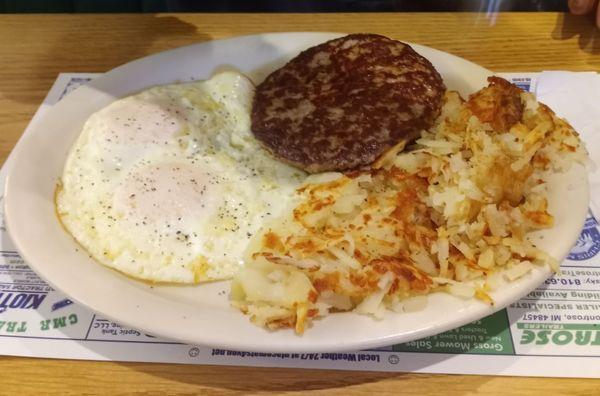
[(341, 104), (199, 181), (169, 184), (454, 213)]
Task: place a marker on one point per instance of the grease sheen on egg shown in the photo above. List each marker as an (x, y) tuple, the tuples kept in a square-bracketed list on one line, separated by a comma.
[(169, 185)]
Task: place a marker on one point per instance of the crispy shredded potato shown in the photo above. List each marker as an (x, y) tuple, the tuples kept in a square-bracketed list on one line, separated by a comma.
[(452, 214)]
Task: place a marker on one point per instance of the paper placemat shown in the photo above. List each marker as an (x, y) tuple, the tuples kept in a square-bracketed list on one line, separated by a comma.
[(553, 331)]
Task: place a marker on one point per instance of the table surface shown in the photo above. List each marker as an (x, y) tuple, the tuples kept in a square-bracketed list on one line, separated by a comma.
[(35, 48)]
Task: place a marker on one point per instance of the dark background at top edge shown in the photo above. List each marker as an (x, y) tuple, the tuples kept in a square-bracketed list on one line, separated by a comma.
[(134, 6)]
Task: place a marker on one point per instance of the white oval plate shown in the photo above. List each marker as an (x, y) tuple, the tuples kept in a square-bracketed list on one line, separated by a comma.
[(201, 314)]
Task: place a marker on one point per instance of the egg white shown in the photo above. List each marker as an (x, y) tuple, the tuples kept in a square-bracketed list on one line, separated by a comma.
[(169, 185)]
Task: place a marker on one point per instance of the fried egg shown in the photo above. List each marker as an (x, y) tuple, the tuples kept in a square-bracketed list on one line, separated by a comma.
[(169, 185)]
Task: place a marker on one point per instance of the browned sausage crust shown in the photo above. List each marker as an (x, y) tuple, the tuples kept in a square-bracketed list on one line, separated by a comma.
[(341, 104)]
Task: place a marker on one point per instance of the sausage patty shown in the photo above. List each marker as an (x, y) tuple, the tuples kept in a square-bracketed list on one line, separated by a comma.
[(341, 104)]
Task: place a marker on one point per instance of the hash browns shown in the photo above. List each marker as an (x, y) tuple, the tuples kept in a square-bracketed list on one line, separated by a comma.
[(441, 217)]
